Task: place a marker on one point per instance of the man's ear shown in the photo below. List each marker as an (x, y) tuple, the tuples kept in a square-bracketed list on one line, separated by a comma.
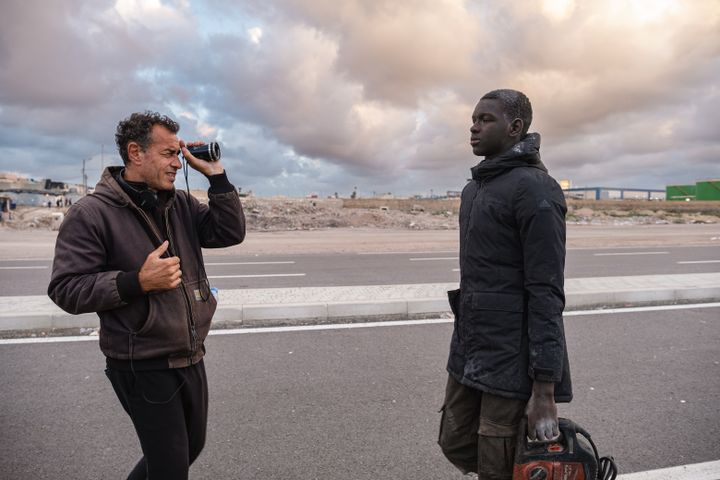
[(134, 150), (516, 127)]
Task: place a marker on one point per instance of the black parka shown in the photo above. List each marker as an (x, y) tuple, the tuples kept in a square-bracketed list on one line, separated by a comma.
[(508, 310)]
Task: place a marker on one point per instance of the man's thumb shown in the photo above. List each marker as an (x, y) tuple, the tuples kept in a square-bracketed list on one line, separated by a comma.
[(161, 249)]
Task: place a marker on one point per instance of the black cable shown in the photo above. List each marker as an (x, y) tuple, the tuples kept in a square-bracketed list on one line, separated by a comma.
[(607, 470), (201, 265), (185, 172)]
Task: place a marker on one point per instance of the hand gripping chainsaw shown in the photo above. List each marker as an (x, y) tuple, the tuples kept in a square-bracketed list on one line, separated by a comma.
[(567, 458)]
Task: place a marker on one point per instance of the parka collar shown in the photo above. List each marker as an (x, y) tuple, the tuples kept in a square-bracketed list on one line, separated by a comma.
[(109, 191), (525, 153)]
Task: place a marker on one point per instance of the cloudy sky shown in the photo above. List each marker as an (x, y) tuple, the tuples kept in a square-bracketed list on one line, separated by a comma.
[(327, 95)]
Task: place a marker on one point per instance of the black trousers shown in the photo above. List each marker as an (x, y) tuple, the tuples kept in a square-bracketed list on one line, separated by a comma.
[(169, 411)]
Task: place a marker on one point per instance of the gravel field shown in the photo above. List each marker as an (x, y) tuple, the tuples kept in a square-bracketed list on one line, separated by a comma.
[(37, 243), (292, 226)]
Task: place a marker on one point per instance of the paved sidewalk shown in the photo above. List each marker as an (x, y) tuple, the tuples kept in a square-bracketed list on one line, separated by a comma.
[(266, 306)]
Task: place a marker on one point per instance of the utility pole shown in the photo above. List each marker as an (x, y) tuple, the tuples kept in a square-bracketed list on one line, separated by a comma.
[(84, 177), (102, 158)]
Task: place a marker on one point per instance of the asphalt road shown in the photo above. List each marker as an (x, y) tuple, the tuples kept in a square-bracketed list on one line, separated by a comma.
[(362, 403), (30, 277)]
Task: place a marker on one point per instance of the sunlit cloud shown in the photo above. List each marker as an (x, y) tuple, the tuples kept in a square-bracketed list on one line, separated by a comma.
[(308, 95), (557, 10), (255, 35)]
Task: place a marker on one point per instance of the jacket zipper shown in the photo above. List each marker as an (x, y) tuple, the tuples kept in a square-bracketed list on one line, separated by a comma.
[(150, 224), (481, 185), (191, 320)]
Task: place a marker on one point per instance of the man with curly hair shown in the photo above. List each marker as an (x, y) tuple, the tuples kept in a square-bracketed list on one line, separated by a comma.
[(507, 354), (131, 252)]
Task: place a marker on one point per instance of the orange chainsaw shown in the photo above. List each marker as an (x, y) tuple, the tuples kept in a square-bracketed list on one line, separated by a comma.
[(567, 458)]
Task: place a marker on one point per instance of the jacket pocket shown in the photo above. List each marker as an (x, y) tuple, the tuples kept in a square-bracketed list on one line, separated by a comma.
[(204, 306), (495, 301), (166, 329), (494, 326)]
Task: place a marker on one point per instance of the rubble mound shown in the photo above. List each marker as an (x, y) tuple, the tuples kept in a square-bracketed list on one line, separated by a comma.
[(309, 214), (288, 214)]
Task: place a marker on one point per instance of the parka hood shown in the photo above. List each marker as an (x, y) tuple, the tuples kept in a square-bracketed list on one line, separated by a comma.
[(525, 153)]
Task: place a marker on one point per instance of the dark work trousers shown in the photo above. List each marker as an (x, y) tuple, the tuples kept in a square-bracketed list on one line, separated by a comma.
[(169, 411), (478, 431)]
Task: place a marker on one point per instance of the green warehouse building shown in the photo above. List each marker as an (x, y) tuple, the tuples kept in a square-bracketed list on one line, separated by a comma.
[(702, 191)]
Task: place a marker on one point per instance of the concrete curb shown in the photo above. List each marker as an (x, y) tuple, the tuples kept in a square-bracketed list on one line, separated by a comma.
[(634, 297), (51, 317)]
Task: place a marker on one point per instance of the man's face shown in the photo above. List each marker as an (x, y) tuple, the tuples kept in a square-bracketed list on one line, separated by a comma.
[(160, 162), (489, 134)]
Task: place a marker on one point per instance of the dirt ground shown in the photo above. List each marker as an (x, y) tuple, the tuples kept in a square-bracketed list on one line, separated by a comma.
[(303, 225), (299, 214), (36, 243)]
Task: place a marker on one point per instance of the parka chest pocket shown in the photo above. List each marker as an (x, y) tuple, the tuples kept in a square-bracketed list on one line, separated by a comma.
[(488, 208)]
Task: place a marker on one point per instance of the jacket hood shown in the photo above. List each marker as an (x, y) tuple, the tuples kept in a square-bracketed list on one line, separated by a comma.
[(109, 190), (525, 153)]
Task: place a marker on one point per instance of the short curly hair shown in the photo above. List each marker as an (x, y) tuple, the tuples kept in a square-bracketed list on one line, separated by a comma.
[(515, 104), (138, 127)]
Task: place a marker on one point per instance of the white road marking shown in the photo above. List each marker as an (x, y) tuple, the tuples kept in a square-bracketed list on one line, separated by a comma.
[(22, 341), (423, 259), (259, 275), (615, 254), (251, 263), (656, 308), (695, 471), (337, 326), (32, 259), (346, 326), (698, 261), (406, 253), (23, 268)]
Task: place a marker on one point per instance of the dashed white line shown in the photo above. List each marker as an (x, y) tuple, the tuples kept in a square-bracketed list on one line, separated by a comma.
[(259, 275), (23, 341), (423, 259), (688, 262), (250, 263), (24, 268), (617, 254), (31, 259), (406, 253)]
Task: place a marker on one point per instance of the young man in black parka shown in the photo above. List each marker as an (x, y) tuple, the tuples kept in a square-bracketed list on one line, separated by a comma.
[(507, 354)]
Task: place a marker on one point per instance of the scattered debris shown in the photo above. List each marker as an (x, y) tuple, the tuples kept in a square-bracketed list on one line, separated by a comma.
[(283, 213)]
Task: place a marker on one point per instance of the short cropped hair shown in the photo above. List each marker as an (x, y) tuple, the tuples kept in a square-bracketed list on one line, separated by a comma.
[(138, 127), (515, 105)]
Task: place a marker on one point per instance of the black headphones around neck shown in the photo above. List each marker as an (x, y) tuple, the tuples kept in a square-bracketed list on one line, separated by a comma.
[(144, 198)]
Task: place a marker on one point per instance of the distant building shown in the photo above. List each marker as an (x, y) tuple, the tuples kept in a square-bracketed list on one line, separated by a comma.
[(37, 192), (608, 193), (454, 194), (702, 191), (383, 195)]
